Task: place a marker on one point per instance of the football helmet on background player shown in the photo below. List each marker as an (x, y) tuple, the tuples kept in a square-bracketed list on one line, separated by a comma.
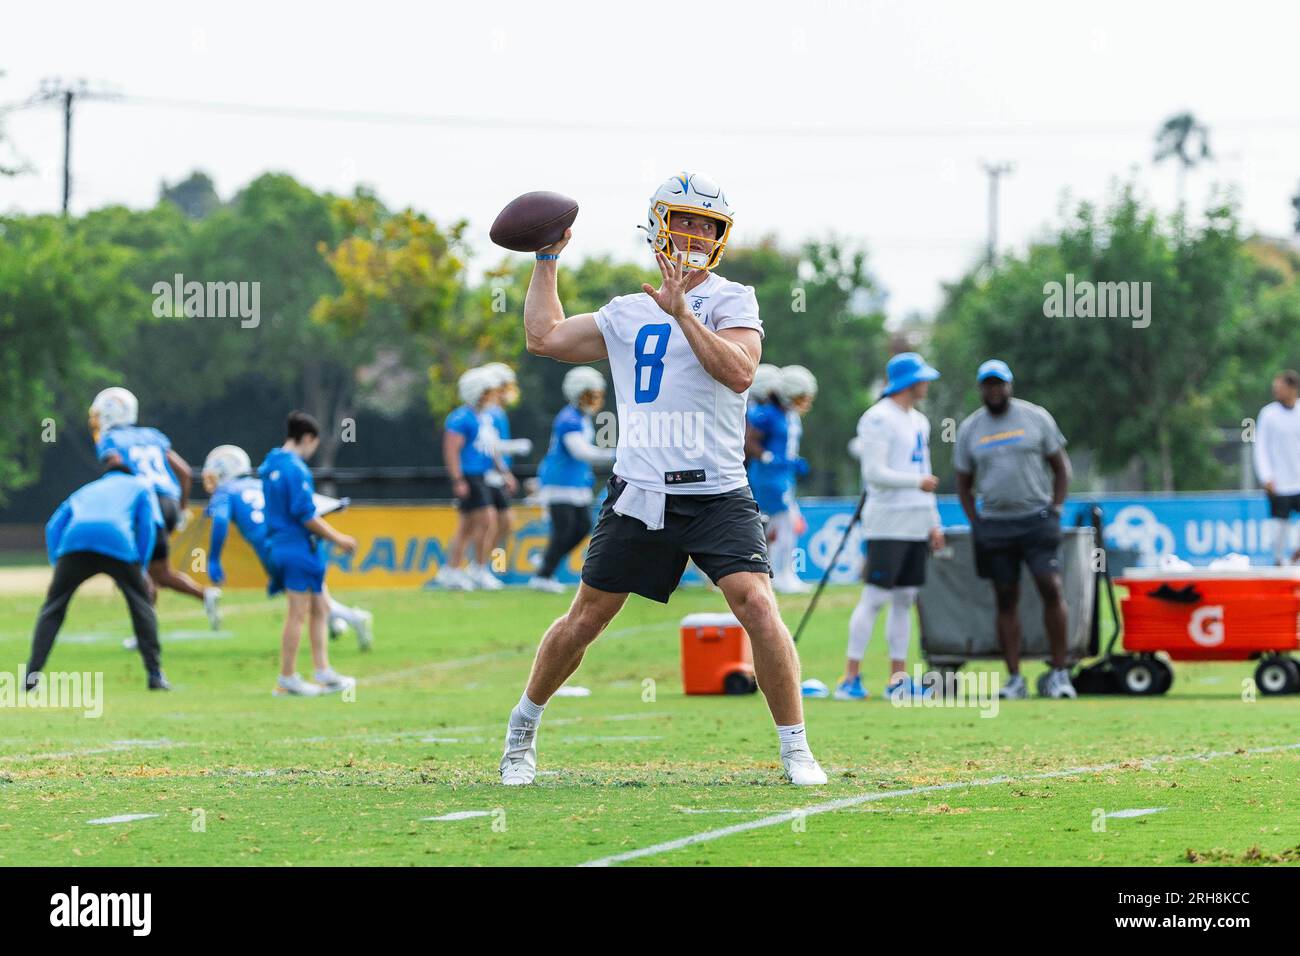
[(223, 463), (112, 407)]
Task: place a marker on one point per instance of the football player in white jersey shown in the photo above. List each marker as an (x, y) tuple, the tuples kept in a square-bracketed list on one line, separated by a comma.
[(900, 522), (682, 358)]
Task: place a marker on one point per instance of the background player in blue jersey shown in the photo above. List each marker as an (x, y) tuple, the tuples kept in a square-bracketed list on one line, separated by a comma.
[(147, 452), (294, 529), (466, 451), (236, 496), (106, 527), (502, 484), (565, 475), (773, 454)]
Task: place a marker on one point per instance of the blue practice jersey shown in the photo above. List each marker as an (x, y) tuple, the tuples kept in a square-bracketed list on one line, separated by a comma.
[(465, 422), (287, 490), (772, 424), (559, 468), (116, 515), (144, 451), (239, 500)]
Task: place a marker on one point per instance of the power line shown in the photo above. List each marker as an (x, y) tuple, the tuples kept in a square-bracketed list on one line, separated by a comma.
[(639, 126), (995, 172), (65, 94)]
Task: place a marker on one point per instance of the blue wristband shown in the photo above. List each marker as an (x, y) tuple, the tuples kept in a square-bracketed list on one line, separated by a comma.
[(542, 257)]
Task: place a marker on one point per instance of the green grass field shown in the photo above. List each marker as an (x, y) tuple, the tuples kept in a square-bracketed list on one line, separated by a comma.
[(233, 775)]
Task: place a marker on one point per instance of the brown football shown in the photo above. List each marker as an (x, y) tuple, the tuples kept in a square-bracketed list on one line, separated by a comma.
[(533, 221)]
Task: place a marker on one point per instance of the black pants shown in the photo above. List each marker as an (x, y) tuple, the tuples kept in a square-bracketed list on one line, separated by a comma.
[(70, 572), (569, 525)]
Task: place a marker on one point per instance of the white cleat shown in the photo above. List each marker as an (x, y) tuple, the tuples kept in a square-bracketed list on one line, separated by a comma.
[(1014, 688), (454, 579), (365, 629), (802, 768), (549, 585), (486, 580), (295, 686), (519, 761), (1058, 685), (331, 681), (212, 604)]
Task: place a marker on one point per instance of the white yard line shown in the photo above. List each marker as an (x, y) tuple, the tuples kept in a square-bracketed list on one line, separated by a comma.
[(831, 806), (124, 818)]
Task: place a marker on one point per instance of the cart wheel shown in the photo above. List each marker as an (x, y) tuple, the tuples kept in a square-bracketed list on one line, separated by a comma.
[(738, 682), (1277, 675), (1164, 675), (1141, 676)]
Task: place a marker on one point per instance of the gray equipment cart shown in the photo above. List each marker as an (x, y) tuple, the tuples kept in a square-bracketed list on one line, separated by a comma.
[(958, 613)]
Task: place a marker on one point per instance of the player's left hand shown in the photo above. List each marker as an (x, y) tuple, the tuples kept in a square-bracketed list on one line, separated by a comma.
[(936, 539), (512, 483), (671, 294)]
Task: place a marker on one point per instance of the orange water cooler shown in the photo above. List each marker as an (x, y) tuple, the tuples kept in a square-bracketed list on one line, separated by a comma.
[(716, 656), (1217, 615)]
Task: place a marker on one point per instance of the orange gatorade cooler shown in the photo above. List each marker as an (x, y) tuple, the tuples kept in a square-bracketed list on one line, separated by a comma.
[(1212, 615), (716, 656)]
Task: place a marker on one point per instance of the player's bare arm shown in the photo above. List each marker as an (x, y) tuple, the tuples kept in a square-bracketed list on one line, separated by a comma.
[(729, 356), (184, 475), (546, 331)]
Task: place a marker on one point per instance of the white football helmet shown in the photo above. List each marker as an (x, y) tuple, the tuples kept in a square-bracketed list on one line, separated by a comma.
[(767, 379), (503, 377), (796, 382), (112, 407), (582, 379), (223, 463), (694, 193), (474, 384)]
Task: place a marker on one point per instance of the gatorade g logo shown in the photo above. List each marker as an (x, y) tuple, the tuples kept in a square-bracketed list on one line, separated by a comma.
[(1206, 625)]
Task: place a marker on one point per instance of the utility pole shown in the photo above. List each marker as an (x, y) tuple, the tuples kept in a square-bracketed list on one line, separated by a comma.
[(995, 173), (65, 94)]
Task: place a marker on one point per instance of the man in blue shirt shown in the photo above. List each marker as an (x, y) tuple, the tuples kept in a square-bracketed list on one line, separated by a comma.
[(467, 451), (147, 452), (236, 496), (294, 529), (105, 527), (565, 475)]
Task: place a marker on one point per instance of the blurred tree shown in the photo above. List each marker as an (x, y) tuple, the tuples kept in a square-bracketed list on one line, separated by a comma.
[(401, 281), (1187, 139), (196, 196), (1154, 394), (61, 301)]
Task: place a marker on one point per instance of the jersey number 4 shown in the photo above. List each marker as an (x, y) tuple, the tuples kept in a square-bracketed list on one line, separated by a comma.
[(651, 346)]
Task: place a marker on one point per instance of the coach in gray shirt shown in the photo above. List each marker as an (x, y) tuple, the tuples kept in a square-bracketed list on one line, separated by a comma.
[(1012, 456)]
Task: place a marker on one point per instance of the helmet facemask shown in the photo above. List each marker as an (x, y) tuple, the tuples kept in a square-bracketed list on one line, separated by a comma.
[(696, 251)]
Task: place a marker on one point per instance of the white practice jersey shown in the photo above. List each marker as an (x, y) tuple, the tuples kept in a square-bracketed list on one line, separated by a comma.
[(680, 431), (1277, 447), (894, 445)]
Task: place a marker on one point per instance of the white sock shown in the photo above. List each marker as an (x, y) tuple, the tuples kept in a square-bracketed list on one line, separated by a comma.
[(344, 613), (792, 737), (526, 710), (1280, 528), (898, 626), (863, 620)]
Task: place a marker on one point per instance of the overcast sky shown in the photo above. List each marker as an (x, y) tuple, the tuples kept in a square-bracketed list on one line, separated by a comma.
[(867, 120)]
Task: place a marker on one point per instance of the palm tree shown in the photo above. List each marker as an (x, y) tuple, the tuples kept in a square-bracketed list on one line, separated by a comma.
[(1186, 138)]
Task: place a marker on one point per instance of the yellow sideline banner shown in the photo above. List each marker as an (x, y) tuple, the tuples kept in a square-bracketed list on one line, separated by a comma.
[(398, 546)]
